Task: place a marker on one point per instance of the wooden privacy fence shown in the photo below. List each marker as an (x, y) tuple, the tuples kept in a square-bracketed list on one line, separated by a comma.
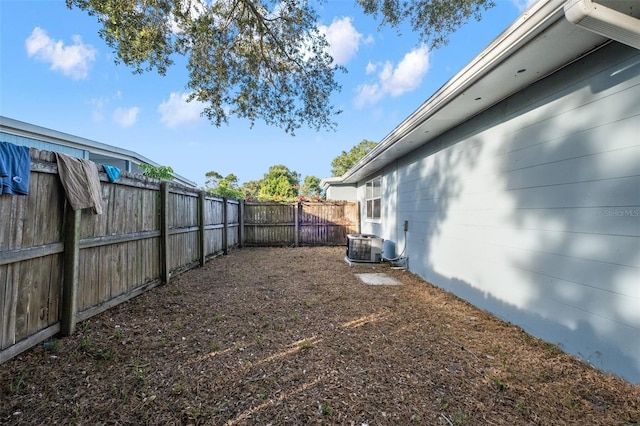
[(296, 224), (59, 266)]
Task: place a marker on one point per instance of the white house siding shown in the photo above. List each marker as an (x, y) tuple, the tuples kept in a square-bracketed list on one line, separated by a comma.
[(42, 145), (531, 210), (341, 192)]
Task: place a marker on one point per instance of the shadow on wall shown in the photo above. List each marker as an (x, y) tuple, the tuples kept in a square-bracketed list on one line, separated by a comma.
[(535, 217), (595, 352), (428, 186), (588, 267)]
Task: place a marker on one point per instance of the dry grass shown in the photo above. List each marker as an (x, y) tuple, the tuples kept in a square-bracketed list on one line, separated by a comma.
[(290, 336)]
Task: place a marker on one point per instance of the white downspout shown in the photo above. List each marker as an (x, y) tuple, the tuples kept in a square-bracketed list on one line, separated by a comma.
[(604, 21)]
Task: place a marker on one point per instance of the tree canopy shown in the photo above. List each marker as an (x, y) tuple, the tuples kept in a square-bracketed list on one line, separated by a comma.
[(251, 189), (279, 182), (346, 160), (223, 186), (157, 172), (432, 20), (311, 187), (246, 58), (255, 59)]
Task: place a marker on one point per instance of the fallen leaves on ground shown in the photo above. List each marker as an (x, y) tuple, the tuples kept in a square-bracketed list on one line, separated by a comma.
[(283, 336)]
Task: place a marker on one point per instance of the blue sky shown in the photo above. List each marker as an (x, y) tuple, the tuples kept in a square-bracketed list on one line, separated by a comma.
[(56, 72)]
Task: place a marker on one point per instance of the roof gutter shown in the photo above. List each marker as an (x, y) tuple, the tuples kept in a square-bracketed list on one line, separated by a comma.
[(604, 21)]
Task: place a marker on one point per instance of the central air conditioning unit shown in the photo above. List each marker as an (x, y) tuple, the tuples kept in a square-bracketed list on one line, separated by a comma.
[(364, 248)]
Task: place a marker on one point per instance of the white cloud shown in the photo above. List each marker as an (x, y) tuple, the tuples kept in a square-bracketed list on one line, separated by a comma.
[(368, 94), (371, 68), (126, 117), (408, 74), (343, 39), (99, 104), (176, 110), (73, 60), (405, 77), (523, 5)]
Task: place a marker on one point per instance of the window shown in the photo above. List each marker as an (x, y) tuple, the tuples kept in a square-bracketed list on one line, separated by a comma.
[(373, 198)]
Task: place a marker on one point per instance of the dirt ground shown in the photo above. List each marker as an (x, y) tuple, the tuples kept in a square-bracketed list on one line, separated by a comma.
[(282, 336)]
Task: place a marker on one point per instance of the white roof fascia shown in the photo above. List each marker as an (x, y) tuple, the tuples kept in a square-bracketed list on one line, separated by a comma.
[(326, 182)]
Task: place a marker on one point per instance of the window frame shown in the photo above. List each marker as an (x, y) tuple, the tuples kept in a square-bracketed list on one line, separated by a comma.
[(373, 199)]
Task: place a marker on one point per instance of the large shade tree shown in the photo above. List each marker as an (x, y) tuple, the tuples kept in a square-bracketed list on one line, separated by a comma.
[(346, 160), (256, 59), (251, 189), (311, 187), (279, 183)]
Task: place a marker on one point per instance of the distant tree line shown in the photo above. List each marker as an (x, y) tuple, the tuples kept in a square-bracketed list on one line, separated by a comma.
[(282, 184), (279, 183)]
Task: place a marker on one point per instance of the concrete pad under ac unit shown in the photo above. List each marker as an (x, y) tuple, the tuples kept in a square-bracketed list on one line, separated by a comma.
[(378, 279)]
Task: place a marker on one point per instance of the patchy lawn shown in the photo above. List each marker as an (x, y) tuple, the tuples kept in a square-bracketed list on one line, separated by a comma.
[(290, 336)]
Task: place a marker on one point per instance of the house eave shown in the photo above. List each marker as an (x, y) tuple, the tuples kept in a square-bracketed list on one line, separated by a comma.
[(326, 182), (538, 43)]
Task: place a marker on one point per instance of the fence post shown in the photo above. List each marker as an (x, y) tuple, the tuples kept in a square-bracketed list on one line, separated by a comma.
[(296, 219), (71, 271), (201, 220), (225, 227), (164, 230), (241, 223)]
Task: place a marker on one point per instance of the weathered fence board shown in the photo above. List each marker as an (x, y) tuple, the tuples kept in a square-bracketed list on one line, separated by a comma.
[(9, 304), (119, 253), (58, 267), (269, 224), (327, 223), (306, 223)]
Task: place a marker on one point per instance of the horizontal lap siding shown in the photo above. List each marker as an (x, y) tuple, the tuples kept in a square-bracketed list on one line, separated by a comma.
[(537, 217), (41, 145)]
